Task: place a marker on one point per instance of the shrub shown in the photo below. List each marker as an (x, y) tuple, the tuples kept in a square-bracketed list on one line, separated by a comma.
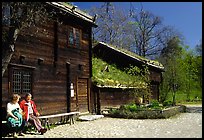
[(115, 113), (167, 103), (154, 103), (132, 108), (129, 107), (147, 113)]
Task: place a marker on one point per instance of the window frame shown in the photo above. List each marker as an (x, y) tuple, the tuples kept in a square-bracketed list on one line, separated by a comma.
[(22, 69), (6, 14), (76, 37)]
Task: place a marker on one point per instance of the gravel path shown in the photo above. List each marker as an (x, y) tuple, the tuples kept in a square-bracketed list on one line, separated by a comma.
[(183, 125)]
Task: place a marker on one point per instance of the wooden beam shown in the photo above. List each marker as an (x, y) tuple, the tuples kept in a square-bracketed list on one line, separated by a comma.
[(20, 65), (55, 43)]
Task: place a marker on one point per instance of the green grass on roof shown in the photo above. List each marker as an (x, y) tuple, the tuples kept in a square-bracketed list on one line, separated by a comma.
[(114, 76), (67, 3)]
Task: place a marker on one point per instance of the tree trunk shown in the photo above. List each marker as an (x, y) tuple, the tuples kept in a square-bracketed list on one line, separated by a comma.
[(174, 95), (7, 58)]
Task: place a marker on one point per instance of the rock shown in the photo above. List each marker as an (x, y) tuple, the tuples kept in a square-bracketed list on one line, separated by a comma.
[(90, 117)]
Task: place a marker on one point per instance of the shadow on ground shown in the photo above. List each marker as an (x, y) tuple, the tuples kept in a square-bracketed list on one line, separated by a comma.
[(192, 109)]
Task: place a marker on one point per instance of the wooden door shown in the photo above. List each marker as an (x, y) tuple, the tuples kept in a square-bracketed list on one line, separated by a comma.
[(82, 94)]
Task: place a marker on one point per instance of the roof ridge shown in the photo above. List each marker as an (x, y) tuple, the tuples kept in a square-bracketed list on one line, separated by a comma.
[(73, 10), (135, 56)]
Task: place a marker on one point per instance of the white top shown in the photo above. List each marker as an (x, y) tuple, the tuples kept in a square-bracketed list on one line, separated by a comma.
[(11, 106), (30, 110)]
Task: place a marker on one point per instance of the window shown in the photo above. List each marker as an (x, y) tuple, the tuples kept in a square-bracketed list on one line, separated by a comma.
[(6, 14), (73, 37), (21, 81), (77, 38)]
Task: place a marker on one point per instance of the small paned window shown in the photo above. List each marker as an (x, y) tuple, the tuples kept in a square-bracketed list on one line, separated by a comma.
[(21, 81), (77, 38), (73, 38), (6, 14), (16, 81)]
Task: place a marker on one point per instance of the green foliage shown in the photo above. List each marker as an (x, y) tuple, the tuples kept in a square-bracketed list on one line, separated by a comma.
[(198, 49), (68, 3), (136, 79), (183, 72), (143, 76), (167, 103), (129, 107), (115, 111), (154, 103), (133, 70), (155, 111), (135, 108), (109, 75), (181, 97)]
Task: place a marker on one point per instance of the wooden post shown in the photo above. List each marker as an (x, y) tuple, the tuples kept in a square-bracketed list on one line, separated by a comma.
[(94, 92), (68, 87), (98, 102), (55, 43)]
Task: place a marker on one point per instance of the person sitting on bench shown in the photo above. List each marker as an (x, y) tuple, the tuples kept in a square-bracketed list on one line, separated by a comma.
[(31, 113), (14, 116)]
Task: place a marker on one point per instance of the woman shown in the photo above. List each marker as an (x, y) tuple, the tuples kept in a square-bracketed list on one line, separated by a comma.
[(14, 116)]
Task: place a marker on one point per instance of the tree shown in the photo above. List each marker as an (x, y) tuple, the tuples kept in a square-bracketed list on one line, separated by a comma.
[(170, 58), (198, 49), (172, 49), (191, 67), (182, 71), (141, 33), (16, 17), (149, 34), (110, 24), (198, 61)]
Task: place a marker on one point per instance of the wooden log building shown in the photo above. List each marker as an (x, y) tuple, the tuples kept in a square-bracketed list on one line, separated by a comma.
[(52, 61), (110, 96)]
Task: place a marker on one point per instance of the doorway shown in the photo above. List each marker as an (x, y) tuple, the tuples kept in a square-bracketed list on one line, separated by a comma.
[(83, 94)]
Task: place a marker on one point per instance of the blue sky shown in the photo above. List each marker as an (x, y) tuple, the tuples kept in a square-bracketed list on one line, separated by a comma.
[(186, 17)]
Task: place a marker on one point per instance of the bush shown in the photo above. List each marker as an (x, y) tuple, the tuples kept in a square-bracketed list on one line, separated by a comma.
[(129, 107), (154, 104), (132, 108), (167, 103), (147, 113), (115, 113)]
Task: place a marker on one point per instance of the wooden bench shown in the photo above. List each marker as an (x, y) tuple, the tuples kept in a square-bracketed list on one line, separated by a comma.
[(26, 125), (65, 117), (3, 122)]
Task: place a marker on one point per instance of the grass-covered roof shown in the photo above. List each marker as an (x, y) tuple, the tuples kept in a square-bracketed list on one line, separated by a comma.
[(146, 61), (108, 75), (73, 10)]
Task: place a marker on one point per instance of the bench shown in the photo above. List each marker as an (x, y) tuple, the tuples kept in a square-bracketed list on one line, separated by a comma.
[(65, 117), (3, 122), (28, 125)]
